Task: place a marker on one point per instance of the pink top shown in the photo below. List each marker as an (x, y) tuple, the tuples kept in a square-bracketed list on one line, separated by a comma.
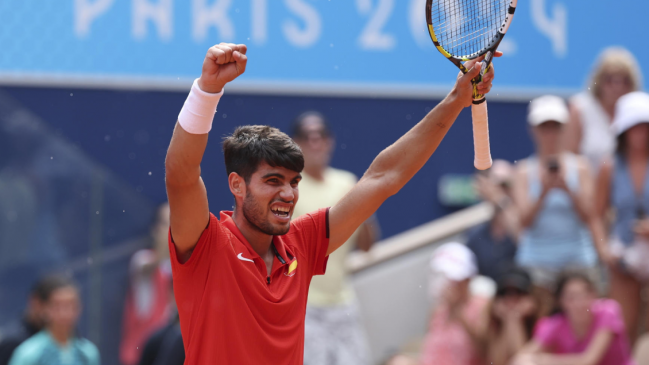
[(447, 342), (556, 335)]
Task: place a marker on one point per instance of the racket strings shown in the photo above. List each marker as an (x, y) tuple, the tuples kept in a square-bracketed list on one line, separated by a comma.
[(464, 27)]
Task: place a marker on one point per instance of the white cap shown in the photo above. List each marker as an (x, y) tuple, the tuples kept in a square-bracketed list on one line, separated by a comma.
[(630, 110), (455, 261), (547, 108)]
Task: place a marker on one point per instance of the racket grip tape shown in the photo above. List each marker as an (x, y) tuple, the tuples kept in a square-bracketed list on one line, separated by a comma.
[(481, 136)]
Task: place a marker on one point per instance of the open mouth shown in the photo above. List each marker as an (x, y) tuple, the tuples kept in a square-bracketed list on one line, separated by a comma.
[(282, 212)]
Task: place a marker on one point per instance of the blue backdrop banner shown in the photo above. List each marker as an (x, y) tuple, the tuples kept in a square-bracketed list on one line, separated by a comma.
[(320, 43)]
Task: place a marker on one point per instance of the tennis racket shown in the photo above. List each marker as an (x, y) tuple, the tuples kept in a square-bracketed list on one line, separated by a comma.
[(464, 30)]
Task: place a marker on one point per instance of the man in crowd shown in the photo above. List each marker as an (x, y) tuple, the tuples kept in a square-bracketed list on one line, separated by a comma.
[(58, 343), (32, 321), (333, 328), (241, 281)]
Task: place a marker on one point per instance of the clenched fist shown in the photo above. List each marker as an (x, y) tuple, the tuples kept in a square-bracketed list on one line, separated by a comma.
[(223, 63)]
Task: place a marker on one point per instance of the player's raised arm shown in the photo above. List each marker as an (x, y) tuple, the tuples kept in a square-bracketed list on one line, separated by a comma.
[(397, 164), (185, 189)]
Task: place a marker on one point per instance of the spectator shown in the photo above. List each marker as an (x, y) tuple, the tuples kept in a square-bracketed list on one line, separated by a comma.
[(58, 343), (333, 328), (585, 330), (623, 185), (554, 193), (165, 346), (459, 320), (494, 243), (591, 112), (147, 306), (513, 315), (31, 323)]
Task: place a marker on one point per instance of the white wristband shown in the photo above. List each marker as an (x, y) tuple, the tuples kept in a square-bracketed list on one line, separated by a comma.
[(198, 112)]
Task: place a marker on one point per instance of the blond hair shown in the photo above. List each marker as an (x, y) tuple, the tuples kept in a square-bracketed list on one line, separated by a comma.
[(618, 58)]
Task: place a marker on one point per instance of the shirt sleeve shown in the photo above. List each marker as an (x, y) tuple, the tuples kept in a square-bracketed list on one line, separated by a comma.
[(190, 277), (25, 354), (313, 231), (546, 332), (609, 316), (201, 250)]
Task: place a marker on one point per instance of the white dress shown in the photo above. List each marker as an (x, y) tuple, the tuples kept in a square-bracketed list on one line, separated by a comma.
[(597, 140)]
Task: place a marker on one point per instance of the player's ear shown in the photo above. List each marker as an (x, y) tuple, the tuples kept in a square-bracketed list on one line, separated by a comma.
[(237, 185)]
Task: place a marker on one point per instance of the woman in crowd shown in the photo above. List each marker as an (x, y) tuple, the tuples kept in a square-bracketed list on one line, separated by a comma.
[(553, 191), (513, 315), (591, 111), (585, 330), (459, 320), (58, 343), (623, 185)]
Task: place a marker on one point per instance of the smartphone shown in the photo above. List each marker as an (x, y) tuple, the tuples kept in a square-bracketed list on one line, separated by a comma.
[(553, 166)]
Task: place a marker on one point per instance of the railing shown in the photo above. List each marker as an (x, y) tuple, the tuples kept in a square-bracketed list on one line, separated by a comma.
[(391, 281), (421, 236)]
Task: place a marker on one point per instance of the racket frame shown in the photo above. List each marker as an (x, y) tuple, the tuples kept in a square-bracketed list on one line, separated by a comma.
[(488, 51)]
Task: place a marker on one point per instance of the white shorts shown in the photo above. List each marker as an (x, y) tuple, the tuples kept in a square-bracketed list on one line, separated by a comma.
[(335, 335), (635, 257)]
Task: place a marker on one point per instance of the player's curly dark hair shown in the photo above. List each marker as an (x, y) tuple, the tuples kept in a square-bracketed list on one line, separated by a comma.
[(251, 145)]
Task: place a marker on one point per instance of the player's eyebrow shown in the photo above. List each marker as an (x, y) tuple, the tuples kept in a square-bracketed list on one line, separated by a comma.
[(274, 174)]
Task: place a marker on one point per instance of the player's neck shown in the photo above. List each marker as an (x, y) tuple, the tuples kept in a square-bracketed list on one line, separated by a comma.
[(259, 241)]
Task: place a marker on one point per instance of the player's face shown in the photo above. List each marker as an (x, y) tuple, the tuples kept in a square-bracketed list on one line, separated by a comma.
[(317, 146), (63, 309), (270, 199)]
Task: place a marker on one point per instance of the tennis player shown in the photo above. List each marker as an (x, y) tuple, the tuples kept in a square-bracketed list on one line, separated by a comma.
[(241, 279)]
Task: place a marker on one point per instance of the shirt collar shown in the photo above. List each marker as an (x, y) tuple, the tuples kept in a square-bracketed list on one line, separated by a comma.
[(282, 252)]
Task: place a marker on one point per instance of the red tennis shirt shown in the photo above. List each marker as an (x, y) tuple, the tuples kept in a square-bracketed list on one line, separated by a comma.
[(231, 311)]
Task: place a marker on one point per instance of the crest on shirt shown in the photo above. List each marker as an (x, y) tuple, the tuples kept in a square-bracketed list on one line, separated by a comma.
[(291, 268)]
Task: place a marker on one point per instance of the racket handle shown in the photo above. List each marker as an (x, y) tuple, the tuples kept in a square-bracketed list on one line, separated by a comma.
[(481, 136)]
